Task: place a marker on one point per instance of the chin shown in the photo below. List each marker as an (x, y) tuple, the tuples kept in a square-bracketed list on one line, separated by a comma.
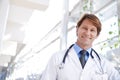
[(86, 44)]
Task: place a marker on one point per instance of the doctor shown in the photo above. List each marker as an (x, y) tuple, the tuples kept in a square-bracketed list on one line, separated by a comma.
[(67, 65)]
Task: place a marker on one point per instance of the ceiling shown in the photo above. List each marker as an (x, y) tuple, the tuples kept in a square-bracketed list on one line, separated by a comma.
[(14, 14)]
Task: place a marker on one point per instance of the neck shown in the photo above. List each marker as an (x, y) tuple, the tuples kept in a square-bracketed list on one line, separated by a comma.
[(83, 46)]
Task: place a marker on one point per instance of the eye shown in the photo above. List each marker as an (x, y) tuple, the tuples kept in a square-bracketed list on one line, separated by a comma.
[(93, 30), (84, 28)]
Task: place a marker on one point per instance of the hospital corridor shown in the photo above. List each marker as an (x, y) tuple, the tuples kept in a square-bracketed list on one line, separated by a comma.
[(32, 31)]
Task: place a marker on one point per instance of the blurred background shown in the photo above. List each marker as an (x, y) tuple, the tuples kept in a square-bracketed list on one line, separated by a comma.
[(32, 30)]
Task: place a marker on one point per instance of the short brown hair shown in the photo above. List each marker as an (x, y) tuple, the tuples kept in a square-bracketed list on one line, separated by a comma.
[(94, 20)]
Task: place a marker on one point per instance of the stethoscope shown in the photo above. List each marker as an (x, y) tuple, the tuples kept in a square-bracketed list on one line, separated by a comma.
[(99, 59)]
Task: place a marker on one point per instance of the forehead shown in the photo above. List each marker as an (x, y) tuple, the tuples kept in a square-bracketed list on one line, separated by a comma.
[(88, 23)]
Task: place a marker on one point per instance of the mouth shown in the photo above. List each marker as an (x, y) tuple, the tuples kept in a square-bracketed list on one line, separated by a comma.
[(86, 38)]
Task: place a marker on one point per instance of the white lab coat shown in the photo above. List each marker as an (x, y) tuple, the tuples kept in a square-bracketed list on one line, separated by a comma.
[(72, 69)]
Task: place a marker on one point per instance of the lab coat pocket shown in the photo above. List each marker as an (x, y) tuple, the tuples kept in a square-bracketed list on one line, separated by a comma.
[(100, 76)]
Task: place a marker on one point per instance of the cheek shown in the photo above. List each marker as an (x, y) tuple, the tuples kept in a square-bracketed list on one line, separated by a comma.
[(94, 36), (78, 33), (79, 30)]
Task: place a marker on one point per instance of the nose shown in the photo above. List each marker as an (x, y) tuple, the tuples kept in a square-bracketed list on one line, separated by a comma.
[(87, 32)]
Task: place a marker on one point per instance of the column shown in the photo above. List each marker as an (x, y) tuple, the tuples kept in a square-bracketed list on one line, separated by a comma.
[(4, 8), (64, 25)]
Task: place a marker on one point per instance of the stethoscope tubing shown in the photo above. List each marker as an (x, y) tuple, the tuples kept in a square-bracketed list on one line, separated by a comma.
[(66, 53)]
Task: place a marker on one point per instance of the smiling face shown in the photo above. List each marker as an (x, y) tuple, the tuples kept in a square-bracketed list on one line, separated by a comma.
[(86, 34)]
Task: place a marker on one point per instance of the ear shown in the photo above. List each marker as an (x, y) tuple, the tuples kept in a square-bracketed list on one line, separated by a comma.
[(76, 31)]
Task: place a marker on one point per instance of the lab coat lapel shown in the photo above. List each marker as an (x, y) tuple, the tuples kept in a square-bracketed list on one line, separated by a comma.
[(74, 58), (90, 65)]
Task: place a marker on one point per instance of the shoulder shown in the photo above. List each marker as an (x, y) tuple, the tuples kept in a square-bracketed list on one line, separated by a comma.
[(59, 54), (107, 64), (109, 67), (104, 60), (57, 57)]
